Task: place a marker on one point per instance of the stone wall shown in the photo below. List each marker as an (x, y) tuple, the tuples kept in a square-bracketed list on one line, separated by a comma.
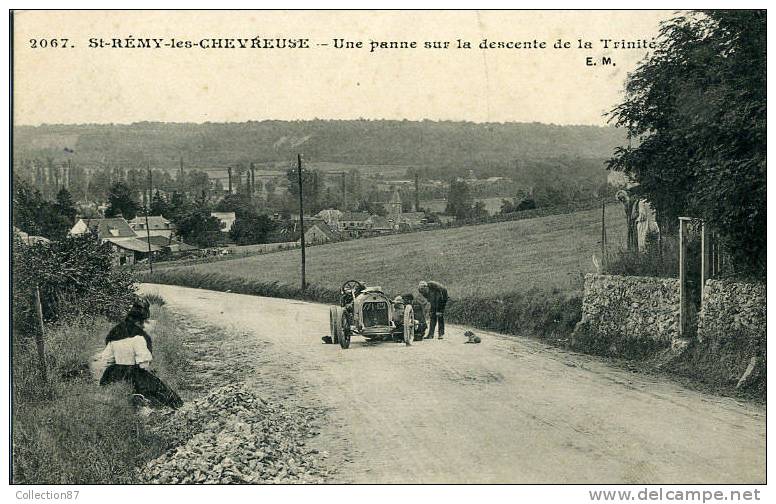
[(637, 317), (628, 316), (731, 331)]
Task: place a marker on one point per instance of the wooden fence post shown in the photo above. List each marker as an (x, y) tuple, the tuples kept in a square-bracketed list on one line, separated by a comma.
[(39, 336), (683, 314), (301, 219), (706, 257), (603, 232)]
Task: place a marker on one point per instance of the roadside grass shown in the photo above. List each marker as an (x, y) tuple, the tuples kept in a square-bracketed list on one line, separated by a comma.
[(72, 431), (550, 314), (154, 299)]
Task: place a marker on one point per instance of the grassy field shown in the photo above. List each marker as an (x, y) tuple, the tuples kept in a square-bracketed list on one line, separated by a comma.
[(547, 252)]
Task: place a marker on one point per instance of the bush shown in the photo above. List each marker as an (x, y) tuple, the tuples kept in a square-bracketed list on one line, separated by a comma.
[(661, 259), (75, 278), (154, 299), (549, 314), (224, 283)]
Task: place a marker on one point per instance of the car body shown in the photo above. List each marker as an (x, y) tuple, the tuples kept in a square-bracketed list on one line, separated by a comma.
[(370, 312)]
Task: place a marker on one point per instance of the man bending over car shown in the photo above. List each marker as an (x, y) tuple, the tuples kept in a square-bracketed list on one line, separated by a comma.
[(436, 294)]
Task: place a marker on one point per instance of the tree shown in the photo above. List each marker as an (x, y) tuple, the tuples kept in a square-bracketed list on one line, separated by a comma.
[(697, 110), (200, 228), (236, 203), (250, 228), (65, 205), (120, 201), (36, 216), (26, 202), (459, 201), (196, 182), (479, 211), (99, 184), (312, 188), (159, 205), (178, 207)]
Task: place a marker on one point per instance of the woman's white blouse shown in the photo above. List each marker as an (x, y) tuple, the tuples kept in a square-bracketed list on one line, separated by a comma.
[(127, 351)]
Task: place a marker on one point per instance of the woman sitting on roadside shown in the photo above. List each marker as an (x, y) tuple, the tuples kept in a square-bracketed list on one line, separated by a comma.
[(128, 357)]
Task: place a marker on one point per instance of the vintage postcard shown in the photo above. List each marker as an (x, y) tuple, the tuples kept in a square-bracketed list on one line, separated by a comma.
[(390, 247)]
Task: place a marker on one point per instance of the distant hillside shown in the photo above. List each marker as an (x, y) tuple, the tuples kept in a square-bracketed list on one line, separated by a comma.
[(493, 147)]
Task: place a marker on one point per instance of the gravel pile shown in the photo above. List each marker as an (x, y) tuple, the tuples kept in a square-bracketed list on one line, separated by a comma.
[(234, 436)]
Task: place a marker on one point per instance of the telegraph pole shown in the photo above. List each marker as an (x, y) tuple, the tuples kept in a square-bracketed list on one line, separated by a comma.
[(417, 193), (229, 171), (301, 217), (253, 179), (148, 209), (69, 174), (344, 193)]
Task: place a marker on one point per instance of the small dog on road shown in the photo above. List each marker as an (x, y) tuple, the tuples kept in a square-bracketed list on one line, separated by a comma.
[(471, 337)]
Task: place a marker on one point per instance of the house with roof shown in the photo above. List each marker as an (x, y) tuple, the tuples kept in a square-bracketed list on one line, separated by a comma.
[(226, 219), (380, 224), (319, 232), (167, 244), (330, 216), (354, 221), (157, 226), (126, 246), (28, 239), (412, 219)]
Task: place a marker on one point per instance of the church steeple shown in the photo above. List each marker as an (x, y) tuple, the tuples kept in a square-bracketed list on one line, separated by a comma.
[(394, 207)]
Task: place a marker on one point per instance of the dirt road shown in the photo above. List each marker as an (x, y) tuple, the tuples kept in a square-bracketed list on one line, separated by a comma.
[(510, 410)]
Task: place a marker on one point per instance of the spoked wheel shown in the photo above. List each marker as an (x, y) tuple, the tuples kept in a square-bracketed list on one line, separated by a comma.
[(334, 323), (340, 327), (409, 325), (344, 339)]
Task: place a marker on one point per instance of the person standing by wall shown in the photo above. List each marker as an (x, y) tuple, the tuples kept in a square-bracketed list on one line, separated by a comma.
[(436, 294), (646, 223)]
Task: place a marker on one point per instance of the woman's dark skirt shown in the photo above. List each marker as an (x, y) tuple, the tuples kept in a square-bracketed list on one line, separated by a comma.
[(143, 382)]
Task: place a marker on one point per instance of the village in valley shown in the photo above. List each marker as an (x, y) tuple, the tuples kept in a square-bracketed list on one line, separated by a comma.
[(253, 208)]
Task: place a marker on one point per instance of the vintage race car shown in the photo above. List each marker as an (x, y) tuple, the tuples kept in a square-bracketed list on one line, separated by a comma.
[(369, 312)]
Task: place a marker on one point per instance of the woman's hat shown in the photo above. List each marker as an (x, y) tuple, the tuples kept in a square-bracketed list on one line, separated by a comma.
[(140, 310)]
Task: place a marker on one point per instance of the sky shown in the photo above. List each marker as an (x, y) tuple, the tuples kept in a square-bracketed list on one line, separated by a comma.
[(80, 84)]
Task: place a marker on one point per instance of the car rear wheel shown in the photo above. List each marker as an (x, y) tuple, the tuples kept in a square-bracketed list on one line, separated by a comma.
[(341, 327), (334, 323), (409, 325)]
